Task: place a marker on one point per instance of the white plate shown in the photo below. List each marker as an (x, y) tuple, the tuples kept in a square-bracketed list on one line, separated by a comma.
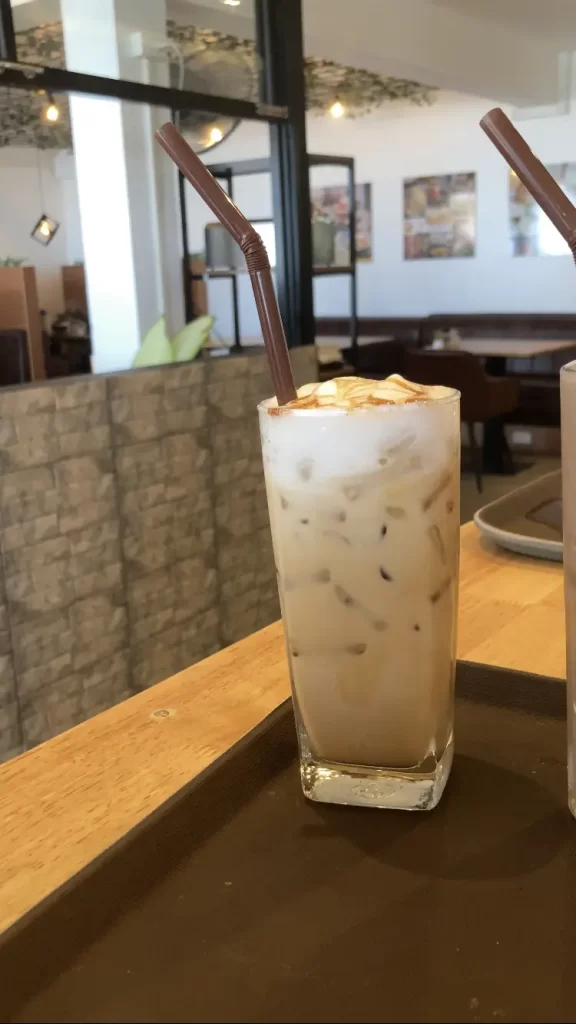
[(515, 507)]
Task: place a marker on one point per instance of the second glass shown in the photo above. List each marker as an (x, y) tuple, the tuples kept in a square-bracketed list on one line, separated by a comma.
[(568, 404), (364, 511)]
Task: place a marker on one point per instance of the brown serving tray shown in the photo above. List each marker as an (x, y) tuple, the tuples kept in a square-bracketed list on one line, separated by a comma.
[(243, 902)]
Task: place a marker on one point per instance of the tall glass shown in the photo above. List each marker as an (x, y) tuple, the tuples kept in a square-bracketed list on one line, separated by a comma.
[(364, 510), (568, 403)]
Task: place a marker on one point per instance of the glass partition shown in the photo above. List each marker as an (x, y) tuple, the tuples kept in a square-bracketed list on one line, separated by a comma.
[(204, 46), (93, 217)]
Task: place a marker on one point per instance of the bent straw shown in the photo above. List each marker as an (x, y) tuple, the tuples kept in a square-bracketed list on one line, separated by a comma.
[(532, 173), (254, 251)]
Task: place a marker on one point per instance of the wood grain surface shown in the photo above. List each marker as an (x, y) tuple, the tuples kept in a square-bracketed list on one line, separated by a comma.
[(66, 803), (511, 608)]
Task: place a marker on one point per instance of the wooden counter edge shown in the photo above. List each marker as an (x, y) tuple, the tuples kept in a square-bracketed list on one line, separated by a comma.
[(67, 802)]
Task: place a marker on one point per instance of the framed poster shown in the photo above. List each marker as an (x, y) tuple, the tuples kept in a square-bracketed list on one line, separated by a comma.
[(440, 216), (531, 233), (331, 225)]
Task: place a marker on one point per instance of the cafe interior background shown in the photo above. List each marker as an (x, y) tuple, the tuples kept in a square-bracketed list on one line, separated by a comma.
[(133, 526)]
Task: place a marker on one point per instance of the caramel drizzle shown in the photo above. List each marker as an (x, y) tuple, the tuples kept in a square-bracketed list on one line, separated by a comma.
[(355, 392)]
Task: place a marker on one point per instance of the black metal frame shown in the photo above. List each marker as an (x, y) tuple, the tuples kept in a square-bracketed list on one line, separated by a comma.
[(7, 39), (186, 271), (282, 106), (280, 38), (228, 274), (318, 160), (227, 174), (240, 168), (34, 76)]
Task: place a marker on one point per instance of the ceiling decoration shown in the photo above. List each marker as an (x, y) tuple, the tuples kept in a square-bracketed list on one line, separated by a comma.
[(23, 122), (203, 61), (356, 90)]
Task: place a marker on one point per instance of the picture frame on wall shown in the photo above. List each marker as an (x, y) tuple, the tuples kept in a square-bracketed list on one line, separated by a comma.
[(440, 216)]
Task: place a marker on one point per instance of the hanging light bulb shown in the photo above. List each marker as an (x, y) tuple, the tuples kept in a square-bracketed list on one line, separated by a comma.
[(52, 111), (215, 135), (45, 229), (337, 109), (231, 3)]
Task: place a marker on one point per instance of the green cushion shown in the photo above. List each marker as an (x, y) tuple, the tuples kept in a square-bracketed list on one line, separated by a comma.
[(155, 349), (188, 342)]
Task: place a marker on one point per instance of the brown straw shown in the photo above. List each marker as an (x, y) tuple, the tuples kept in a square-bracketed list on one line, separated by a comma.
[(254, 251), (532, 173)]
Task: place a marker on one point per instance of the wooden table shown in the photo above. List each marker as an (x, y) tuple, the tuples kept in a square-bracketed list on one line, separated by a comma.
[(514, 348), (511, 608), (497, 456), (66, 803)]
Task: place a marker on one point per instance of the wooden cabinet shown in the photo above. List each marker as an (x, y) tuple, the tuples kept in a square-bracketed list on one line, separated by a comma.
[(19, 310), (74, 288)]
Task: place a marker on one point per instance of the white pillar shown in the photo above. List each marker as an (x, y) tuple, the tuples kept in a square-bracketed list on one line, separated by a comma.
[(127, 196)]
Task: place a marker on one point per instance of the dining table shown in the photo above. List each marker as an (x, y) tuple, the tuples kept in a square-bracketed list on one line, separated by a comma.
[(111, 790), (516, 348)]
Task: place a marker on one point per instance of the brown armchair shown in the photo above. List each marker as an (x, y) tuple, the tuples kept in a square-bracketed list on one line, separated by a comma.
[(484, 399), (14, 362)]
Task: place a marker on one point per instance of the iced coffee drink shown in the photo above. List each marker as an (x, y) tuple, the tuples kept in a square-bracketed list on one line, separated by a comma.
[(363, 486)]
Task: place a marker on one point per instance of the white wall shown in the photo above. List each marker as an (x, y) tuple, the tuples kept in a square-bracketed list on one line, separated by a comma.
[(27, 191), (403, 142), (400, 142)]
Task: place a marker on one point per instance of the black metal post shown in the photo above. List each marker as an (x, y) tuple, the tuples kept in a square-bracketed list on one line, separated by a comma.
[(234, 279), (187, 278), (7, 37), (353, 263), (280, 46), (36, 76), (236, 312)]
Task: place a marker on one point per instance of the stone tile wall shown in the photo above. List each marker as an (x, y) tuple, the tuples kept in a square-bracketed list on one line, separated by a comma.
[(134, 537)]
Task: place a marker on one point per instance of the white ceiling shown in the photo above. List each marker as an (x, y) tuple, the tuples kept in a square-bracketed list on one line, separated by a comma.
[(552, 20), (503, 49), (244, 9), (202, 13), (549, 21)]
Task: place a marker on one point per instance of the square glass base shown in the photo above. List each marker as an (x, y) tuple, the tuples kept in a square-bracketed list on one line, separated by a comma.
[(416, 789)]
